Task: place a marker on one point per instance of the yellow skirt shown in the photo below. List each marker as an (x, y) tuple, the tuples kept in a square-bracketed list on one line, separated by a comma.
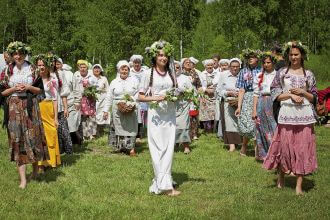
[(48, 117)]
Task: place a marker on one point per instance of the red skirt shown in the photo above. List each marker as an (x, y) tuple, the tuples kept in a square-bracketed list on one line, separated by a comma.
[(293, 149)]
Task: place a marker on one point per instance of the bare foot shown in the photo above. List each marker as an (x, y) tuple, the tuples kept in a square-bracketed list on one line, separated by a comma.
[(299, 192), (173, 192), (22, 185), (232, 148), (186, 150), (280, 182)]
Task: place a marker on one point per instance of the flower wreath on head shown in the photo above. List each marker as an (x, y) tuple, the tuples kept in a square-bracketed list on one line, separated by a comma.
[(47, 58), (153, 50), (295, 44), (246, 53), (265, 54), (18, 46)]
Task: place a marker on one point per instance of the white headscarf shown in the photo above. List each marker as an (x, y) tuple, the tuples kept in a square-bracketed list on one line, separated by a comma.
[(223, 61), (99, 66), (66, 67), (136, 57), (182, 61), (237, 60), (60, 60), (122, 63), (193, 60), (208, 62)]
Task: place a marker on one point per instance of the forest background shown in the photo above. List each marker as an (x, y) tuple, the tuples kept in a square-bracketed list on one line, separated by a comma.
[(106, 31)]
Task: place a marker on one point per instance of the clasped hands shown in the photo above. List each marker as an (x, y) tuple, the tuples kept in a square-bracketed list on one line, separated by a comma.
[(297, 95)]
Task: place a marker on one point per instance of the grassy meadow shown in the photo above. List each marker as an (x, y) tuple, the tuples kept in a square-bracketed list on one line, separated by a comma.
[(93, 183)]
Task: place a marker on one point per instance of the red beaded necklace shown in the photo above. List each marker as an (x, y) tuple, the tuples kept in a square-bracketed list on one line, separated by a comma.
[(161, 74)]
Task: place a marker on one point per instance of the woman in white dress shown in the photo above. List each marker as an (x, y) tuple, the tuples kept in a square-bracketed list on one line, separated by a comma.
[(102, 86), (161, 120), (125, 123)]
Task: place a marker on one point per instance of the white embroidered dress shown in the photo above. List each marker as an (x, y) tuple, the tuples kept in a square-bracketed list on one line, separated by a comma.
[(161, 132)]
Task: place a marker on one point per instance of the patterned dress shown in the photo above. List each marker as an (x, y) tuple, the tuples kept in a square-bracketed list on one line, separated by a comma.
[(246, 126), (26, 135), (293, 148), (265, 123)]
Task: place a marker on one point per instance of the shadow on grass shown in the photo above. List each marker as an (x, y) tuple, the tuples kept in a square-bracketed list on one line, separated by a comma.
[(81, 148), (180, 178), (50, 175), (290, 181)]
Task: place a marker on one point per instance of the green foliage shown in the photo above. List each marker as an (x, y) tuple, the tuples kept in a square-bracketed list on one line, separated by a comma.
[(106, 31), (91, 92)]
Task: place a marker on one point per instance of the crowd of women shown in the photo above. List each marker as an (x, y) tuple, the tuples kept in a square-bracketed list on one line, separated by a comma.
[(49, 110)]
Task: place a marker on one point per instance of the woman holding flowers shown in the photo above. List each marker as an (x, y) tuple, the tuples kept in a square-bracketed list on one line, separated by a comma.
[(49, 110), (18, 90), (263, 105), (87, 90), (293, 149), (159, 80), (188, 69), (182, 110), (121, 98)]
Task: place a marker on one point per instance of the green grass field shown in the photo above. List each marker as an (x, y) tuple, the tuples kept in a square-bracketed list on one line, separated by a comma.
[(93, 183)]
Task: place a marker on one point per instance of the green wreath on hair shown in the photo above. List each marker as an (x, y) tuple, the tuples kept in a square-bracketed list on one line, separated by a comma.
[(18, 46), (247, 53), (154, 49)]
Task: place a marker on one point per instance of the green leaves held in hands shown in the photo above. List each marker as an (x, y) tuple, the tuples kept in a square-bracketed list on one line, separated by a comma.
[(91, 92)]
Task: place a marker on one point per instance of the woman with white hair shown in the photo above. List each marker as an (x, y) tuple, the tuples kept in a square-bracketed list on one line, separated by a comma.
[(207, 104), (182, 134), (102, 87), (121, 98), (137, 71)]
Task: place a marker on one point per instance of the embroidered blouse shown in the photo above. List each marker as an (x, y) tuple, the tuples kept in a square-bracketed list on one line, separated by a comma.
[(290, 112)]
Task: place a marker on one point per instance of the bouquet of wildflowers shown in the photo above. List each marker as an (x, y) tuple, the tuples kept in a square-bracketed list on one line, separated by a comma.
[(91, 92)]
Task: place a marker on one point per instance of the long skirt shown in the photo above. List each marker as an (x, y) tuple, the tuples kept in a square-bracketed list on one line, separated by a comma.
[(293, 150), (89, 125), (26, 135), (48, 116), (161, 141), (265, 125), (182, 122), (229, 135), (63, 133), (194, 123), (246, 126), (74, 119), (207, 109)]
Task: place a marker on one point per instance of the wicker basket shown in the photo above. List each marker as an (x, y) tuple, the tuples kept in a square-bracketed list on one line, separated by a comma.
[(124, 108)]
